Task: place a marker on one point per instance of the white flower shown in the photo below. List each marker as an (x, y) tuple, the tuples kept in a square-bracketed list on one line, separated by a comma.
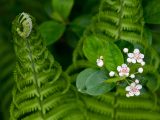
[(129, 60), (125, 50), (140, 70), (132, 76), (133, 89), (143, 63), (137, 81), (123, 70), (100, 62), (136, 56), (127, 95), (111, 74)]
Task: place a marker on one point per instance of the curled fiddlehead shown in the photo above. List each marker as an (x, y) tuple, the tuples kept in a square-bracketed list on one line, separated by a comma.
[(26, 22)]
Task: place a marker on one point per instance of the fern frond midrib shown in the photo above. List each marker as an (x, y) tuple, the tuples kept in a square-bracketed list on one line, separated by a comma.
[(120, 20), (34, 75)]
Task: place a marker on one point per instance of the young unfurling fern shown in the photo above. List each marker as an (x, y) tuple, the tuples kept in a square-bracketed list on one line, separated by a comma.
[(40, 91)]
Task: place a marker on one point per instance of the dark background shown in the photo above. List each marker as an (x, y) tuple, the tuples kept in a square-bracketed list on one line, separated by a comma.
[(62, 49)]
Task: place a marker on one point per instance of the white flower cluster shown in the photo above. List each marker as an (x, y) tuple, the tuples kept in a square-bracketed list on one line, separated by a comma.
[(124, 71), (133, 89), (135, 57)]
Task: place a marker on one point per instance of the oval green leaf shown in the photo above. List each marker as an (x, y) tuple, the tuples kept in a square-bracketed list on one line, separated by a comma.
[(113, 57), (93, 48), (51, 31), (62, 8), (91, 81), (82, 77)]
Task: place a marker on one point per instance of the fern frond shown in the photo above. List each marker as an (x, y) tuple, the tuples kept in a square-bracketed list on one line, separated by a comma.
[(94, 116), (42, 90), (98, 107), (114, 106), (34, 116), (116, 20), (137, 115), (74, 116), (61, 111)]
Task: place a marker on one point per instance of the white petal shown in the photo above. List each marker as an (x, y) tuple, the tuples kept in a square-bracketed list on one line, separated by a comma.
[(120, 74), (143, 63), (127, 74), (137, 93), (100, 62), (125, 50), (127, 95), (136, 50), (124, 65), (131, 93), (119, 68), (133, 84), (133, 60), (140, 70), (142, 55), (128, 69), (139, 60), (129, 60), (128, 88), (136, 81), (130, 55), (111, 74), (139, 86), (132, 76)]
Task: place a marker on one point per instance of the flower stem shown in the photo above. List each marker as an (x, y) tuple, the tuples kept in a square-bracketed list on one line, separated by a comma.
[(116, 79)]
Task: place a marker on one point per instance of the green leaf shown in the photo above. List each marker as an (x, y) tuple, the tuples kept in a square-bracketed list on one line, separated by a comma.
[(123, 44), (80, 23), (81, 79), (113, 57), (100, 89), (57, 17), (153, 83), (62, 8), (51, 31), (93, 48), (116, 79), (152, 12), (91, 81)]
